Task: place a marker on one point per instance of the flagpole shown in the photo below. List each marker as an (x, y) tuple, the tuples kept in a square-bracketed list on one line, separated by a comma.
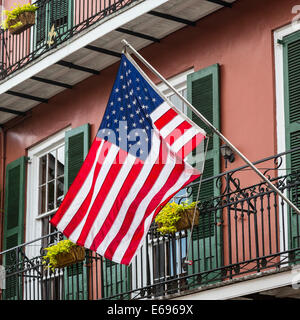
[(215, 130)]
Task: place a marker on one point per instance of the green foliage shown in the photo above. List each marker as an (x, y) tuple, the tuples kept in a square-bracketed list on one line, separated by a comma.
[(15, 12), (18, 24), (62, 246), (170, 214)]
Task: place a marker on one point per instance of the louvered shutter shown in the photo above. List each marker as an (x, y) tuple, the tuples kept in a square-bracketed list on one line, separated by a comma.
[(291, 54), (40, 24), (59, 12), (76, 148), (116, 279), (13, 224), (203, 93)]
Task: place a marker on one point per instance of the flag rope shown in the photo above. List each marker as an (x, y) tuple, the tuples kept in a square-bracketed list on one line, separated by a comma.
[(195, 208)]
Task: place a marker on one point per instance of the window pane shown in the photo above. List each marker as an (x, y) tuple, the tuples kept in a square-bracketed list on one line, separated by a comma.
[(176, 101), (42, 198), (42, 170), (59, 191), (60, 161), (51, 165), (159, 261), (50, 196)]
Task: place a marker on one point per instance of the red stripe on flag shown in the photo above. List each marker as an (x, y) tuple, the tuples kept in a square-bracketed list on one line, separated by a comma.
[(78, 182), (81, 212), (165, 118), (139, 232), (177, 132), (118, 201), (101, 196), (190, 145), (152, 177)]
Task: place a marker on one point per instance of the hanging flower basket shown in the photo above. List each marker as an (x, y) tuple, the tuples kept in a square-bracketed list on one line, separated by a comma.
[(63, 254), (176, 217), (76, 254), (24, 21), (20, 18), (186, 220)]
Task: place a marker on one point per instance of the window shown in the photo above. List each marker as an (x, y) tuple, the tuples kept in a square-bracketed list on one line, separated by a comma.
[(168, 263), (51, 185), (45, 187), (53, 165)]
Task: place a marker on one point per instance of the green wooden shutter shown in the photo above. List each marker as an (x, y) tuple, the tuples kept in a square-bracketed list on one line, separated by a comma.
[(116, 280), (59, 12), (76, 149), (40, 24), (61, 16), (77, 143), (13, 224), (203, 93), (291, 55)]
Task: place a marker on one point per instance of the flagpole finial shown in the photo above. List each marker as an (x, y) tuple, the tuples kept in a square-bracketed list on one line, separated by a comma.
[(125, 45)]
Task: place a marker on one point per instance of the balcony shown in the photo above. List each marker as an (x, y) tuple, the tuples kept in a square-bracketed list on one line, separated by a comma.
[(245, 232), (73, 40)]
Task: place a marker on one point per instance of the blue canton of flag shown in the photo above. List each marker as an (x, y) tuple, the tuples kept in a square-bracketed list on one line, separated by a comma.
[(127, 121)]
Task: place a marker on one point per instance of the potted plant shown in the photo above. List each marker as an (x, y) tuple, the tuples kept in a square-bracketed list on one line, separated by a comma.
[(175, 217), (20, 18), (62, 254)]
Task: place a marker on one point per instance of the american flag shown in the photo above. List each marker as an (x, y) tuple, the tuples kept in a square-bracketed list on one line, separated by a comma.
[(134, 167)]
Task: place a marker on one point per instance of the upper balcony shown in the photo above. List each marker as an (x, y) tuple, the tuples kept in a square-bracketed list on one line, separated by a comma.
[(72, 40)]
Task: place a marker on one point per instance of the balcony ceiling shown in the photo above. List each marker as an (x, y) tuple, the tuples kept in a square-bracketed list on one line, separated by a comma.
[(150, 24)]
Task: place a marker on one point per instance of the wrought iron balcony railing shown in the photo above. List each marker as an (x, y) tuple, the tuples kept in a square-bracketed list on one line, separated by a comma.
[(56, 21), (243, 230)]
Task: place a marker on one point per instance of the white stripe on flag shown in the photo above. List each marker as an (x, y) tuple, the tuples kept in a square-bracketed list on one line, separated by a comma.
[(80, 196), (171, 126), (160, 111), (185, 138), (185, 176), (107, 163), (159, 183), (109, 200), (140, 179)]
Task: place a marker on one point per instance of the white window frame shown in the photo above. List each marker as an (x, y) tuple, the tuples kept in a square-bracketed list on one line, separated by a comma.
[(179, 82), (33, 219), (279, 34)]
